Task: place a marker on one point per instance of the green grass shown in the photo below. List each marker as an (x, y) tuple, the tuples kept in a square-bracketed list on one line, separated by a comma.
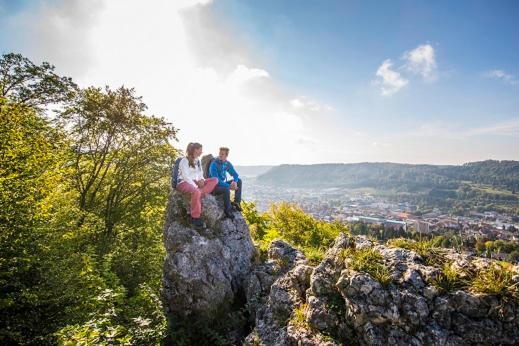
[(449, 279), (314, 255), (496, 280), (298, 316), (431, 253), (370, 261)]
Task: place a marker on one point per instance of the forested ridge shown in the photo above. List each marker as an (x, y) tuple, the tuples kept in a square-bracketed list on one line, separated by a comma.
[(84, 176), (484, 185), (502, 174)]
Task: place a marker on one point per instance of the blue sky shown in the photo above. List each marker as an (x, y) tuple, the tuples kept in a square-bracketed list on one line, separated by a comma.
[(301, 81), (330, 49)]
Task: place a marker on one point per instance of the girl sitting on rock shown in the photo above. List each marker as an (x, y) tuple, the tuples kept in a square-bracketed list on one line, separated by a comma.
[(191, 181)]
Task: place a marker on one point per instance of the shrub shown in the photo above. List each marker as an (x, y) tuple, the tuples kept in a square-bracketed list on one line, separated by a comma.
[(370, 261), (496, 280), (449, 279), (289, 222)]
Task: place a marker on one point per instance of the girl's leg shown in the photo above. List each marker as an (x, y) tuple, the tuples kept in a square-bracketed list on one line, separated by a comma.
[(210, 184), (196, 194)]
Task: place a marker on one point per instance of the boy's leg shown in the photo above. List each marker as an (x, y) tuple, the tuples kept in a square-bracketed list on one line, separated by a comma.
[(237, 192), (196, 195), (221, 190)]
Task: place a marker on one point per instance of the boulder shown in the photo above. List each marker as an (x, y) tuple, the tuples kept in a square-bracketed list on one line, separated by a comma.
[(204, 270), (275, 294)]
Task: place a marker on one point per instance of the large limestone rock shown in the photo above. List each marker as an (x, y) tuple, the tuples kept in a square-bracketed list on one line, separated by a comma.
[(275, 291), (210, 273), (204, 271), (410, 310), (331, 304)]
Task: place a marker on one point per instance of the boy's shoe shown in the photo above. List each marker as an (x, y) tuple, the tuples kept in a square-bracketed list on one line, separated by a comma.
[(197, 223), (236, 206), (229, 214)]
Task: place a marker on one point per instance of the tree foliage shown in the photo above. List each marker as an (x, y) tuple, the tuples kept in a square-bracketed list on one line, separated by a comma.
[(25, 83), (289, 222), (82, 197)]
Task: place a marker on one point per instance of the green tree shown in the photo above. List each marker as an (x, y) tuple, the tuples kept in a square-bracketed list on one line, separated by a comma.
[(81, 206), (30, 161), (121, 157), (290, 223), (25, 83)]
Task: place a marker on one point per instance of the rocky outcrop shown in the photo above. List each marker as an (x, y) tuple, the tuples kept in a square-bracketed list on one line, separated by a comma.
[(286, 301), (274, 290), (333, 304), (204, 270)]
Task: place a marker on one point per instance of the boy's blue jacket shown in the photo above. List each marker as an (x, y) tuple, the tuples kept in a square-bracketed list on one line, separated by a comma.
[(218, 169)]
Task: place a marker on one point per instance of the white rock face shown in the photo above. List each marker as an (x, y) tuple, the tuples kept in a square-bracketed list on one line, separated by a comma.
[(204, 271)]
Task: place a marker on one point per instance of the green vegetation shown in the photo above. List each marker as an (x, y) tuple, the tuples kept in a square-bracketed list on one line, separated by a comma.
[(290, 223), (487, 247), (379, 232), (298, 316), (495, 279), (449, 279), (82, 196), (430, 250), (368, 260)]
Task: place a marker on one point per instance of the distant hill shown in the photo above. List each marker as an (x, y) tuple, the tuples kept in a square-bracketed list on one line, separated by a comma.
[(396, 176), (252, 171)]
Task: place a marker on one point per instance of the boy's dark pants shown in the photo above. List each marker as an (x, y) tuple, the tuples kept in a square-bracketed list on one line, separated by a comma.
[(226, 192)]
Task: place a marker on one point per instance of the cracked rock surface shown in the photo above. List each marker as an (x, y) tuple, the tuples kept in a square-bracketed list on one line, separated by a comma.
[(332, 304), (204, 270)]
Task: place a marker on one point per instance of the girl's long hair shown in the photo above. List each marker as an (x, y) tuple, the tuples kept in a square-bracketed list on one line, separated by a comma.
[(190, 152)]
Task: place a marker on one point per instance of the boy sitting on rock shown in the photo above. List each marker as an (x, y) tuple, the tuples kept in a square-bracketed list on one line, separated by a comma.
[(218, 169)]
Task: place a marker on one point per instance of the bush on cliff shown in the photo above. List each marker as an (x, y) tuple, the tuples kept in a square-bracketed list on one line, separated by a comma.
[(289, 222)]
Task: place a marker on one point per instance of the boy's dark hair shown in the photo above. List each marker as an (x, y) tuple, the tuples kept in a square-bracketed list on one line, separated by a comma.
[(224, 149)]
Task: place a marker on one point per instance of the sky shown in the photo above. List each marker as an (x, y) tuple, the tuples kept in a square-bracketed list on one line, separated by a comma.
[(297, 81)]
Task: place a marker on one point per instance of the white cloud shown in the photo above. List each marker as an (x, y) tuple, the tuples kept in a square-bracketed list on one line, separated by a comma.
[(297, 103), (303, 103), (503, 76), (421, 61), (390, 81), (242, 74), (188, 65)]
